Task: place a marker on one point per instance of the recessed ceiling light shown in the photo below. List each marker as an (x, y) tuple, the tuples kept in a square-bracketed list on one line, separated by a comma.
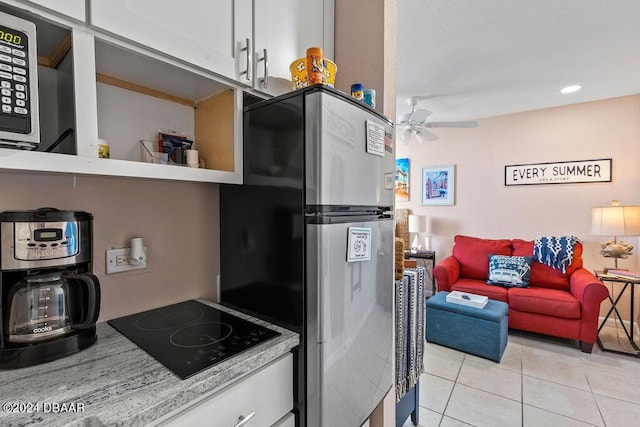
[(571, 89)]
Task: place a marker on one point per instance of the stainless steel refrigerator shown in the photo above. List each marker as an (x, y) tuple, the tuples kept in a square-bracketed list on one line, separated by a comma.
[(307, 242)]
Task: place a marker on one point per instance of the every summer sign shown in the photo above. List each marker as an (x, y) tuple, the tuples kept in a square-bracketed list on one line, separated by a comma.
[(571, 172)]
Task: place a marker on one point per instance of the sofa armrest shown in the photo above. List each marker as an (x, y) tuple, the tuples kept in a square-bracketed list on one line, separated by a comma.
[(446, 273), (590, 291)]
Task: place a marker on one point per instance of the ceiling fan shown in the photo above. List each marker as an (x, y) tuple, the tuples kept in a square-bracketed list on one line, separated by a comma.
[(415, 123)]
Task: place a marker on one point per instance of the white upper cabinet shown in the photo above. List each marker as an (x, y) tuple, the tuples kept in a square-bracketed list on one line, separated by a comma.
[(191, 56), (252, 42), (283, 30), (72, 8), (209, 34)]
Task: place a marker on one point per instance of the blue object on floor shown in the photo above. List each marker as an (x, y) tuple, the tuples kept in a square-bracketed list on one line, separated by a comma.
[(409, 404), (479, 331)]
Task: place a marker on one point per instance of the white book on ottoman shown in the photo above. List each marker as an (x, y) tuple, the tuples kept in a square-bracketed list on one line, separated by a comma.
[(465, 298)]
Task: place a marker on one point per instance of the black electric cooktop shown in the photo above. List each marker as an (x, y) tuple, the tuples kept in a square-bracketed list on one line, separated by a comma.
[(190, 336)]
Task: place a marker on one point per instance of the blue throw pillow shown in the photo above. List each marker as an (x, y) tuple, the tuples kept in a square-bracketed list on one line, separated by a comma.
[(509, 271)]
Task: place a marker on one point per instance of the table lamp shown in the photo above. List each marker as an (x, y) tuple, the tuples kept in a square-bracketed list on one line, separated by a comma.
[(417, 227), (615, 221)]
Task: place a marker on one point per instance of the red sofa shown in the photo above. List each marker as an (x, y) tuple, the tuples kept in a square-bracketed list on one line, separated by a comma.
[(564, 305)]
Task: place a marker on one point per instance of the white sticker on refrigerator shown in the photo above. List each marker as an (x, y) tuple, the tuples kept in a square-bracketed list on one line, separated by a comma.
[(375, 138), (359, 242)]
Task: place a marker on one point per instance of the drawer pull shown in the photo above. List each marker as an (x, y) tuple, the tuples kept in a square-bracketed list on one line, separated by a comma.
[(242, 420)]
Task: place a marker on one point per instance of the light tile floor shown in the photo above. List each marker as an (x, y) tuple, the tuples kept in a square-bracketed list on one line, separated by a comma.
[(540, 381)]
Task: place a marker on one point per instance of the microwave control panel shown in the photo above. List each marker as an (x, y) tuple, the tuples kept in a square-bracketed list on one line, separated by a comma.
[(18, 81)]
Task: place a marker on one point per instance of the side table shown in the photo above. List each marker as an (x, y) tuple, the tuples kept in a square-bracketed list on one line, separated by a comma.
[(425, 256), (630, 285)]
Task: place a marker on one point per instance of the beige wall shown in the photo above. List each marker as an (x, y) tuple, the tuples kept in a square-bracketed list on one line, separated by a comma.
[(484, 207), (365, 49), (178, 220)]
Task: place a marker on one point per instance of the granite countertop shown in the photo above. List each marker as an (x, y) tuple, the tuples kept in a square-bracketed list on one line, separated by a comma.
[(118, 383)]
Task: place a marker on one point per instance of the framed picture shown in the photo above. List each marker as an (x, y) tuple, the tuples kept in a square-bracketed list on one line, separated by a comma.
[(438, 185), (571, 172), (402, 180)]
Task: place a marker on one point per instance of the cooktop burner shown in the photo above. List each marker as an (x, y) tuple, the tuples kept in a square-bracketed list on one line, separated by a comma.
[(190, 336)]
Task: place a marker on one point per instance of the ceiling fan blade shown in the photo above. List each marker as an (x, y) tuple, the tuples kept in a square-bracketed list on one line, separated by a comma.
[(419, 116), (404, 118), (430, 135), (469, 124)]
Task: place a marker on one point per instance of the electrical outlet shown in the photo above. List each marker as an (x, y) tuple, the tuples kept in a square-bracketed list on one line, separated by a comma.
[(118, 261)]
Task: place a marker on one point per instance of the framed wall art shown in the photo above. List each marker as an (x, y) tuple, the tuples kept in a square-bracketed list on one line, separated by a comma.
[(570, 172), (438, 185), (402, 180)]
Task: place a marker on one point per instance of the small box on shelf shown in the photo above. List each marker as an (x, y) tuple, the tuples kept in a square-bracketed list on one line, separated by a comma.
[(465, 298)]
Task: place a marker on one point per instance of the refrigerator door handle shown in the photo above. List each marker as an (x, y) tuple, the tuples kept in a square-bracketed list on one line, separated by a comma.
[(337, 219)]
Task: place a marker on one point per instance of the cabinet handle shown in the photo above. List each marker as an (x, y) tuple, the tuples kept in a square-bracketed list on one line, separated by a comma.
[(248, 49), (242, 420), (265, 80)]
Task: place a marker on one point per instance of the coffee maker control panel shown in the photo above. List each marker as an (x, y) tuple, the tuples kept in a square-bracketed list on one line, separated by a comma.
[(27, 245), (50, 240)]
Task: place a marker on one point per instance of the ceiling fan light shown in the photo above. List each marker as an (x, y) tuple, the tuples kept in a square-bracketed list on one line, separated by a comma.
[(570, 89)]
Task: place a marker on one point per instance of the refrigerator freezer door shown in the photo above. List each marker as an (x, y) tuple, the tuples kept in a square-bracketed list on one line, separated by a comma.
[(349, 321), (342, 167)]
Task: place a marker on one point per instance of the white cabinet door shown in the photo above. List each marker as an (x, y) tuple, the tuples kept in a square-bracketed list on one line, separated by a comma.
[(208, 34), (264, 396), (283, 30), (72, 8)]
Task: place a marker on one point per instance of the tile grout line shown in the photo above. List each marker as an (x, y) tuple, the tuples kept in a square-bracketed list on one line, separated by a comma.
[(593, 395), (455, 381), (556, 413)]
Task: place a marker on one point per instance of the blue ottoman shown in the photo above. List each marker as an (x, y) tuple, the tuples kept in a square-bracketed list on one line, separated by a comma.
[(478, 331)]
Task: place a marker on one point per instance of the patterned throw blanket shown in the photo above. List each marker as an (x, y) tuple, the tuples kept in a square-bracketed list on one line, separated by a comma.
[(556, 252), (410, 308)]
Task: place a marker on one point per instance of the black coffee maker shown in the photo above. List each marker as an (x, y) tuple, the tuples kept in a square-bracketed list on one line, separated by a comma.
[(49, 299)]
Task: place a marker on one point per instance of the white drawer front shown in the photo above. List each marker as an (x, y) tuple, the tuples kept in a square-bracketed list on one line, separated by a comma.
[(267, 393)]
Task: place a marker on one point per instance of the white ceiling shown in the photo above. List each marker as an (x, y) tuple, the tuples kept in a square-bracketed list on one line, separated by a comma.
[(481, 58)]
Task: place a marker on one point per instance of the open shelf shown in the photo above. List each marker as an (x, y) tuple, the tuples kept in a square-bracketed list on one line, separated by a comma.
[(106, 88)]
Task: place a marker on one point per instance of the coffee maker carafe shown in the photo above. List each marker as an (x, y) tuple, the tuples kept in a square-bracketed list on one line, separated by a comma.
[(50, 301)]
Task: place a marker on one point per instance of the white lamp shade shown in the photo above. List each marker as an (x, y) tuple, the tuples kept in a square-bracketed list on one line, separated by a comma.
[(417, 224), (615, 221)]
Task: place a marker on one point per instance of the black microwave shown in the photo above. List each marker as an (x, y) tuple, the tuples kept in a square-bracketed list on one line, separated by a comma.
[(19, 116)]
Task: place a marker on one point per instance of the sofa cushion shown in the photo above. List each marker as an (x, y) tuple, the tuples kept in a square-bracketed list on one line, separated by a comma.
[(548, 302), (544, 276), (473, 253), (509, 271), (479, 287)]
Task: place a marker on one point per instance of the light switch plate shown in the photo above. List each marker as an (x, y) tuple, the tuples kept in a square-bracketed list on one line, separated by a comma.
[(113, 266)]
